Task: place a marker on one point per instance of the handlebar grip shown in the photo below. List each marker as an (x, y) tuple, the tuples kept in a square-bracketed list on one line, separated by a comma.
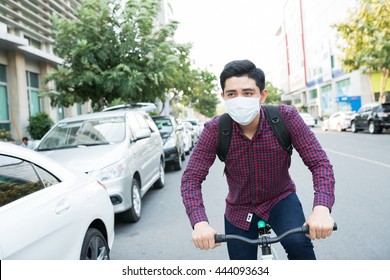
[(220, 238), (305, 229)]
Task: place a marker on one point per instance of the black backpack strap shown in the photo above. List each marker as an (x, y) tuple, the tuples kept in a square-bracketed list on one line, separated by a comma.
[(224, 135), (278, 126)]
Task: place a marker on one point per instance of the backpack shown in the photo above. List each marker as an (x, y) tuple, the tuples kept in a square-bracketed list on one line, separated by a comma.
[(275, 120)]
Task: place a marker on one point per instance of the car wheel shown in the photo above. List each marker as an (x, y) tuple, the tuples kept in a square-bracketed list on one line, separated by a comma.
[(178, 164), (372, 129), (159, 184), (339, 128), (353, 127), (133, 214), (95, 246)]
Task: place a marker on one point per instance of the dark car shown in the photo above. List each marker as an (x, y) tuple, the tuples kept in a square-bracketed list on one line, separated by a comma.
[(172, 140), (374, 117)]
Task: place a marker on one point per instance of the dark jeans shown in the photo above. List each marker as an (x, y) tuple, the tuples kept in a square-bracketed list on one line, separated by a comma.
[(285, 215)]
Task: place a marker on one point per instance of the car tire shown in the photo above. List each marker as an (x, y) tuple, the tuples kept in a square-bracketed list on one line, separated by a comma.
[(159, 184), (353, 127), (133, 214), (178, 164), (95, 246), (372, 128)]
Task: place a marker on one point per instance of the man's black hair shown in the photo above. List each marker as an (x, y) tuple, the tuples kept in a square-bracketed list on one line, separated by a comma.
[(239, 68)]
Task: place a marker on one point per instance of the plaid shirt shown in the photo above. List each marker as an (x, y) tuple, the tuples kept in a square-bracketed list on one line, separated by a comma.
[(256, 169)]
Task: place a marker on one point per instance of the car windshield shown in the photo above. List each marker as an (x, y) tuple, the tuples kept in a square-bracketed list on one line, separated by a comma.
[(102, 131)]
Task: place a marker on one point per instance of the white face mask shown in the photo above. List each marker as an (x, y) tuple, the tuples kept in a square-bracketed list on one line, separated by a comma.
[(243, 109)]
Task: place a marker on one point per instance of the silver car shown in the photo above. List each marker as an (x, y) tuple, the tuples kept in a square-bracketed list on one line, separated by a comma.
[(123, 149)]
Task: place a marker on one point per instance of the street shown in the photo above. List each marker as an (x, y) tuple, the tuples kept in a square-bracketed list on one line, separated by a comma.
[(362, 169)]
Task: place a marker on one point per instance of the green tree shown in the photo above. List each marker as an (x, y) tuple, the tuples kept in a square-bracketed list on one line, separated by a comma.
[(366, 40), (199, 92), (39, 124), (113, 51), (274, 94)]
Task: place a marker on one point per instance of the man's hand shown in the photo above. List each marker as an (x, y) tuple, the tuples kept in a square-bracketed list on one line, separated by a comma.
[(320, 222), (203, 236)]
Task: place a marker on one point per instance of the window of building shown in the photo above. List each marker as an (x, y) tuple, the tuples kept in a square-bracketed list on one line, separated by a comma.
[(326, 96), (3, 74), (60, 113), (344, 87), (313, 94), (79, 109), (297, 101), (3, 104), (33, 43), (34, 101), (4, 114), (332, 61)]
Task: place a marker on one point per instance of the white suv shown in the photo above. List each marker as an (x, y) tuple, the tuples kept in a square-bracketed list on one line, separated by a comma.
[(123, 149)]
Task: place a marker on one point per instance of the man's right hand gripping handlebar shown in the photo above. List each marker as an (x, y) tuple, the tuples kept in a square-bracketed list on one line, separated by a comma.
[(203, 236)]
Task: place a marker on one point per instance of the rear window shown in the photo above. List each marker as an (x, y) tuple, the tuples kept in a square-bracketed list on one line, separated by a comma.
[(385, 108), (165, 126)]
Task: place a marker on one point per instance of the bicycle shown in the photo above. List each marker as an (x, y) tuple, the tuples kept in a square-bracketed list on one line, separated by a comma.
[(264, 241)]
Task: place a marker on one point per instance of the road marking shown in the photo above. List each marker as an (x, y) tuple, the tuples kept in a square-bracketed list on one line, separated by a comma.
[(359, 158)]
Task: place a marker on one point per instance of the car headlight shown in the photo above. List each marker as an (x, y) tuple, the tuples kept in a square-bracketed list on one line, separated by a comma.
[(112, 171), (170, 143)]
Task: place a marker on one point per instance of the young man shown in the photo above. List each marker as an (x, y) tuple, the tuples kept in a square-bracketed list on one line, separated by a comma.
[(256, 169)]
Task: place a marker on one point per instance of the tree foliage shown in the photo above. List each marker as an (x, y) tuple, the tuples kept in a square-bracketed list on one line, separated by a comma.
[(197, 89), (274, 94), (115, 51), (39, 124), (366, 39)]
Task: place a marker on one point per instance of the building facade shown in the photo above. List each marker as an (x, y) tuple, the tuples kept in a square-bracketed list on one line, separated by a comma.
[(310, 72), (26, 56)]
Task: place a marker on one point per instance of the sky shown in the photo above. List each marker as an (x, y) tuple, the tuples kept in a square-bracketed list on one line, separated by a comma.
[(225, 30)]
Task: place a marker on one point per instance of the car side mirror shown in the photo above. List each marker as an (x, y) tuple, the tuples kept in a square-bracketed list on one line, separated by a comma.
[(143, 133)]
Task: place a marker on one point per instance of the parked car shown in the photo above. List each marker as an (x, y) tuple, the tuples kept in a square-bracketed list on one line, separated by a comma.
[(308, 119), (197, 129), (48, 212), (188, 136), (171, 134), (374, 117), (339, 121), (121, 148)]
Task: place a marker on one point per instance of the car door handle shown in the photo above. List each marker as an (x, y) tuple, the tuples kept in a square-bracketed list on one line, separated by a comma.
[(63, 206)]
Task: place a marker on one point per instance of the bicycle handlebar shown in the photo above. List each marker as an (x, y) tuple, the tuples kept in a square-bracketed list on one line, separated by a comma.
[(264, 240)]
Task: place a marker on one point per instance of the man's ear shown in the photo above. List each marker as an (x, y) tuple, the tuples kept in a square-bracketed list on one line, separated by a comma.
[(222, 95), (264, 95)]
